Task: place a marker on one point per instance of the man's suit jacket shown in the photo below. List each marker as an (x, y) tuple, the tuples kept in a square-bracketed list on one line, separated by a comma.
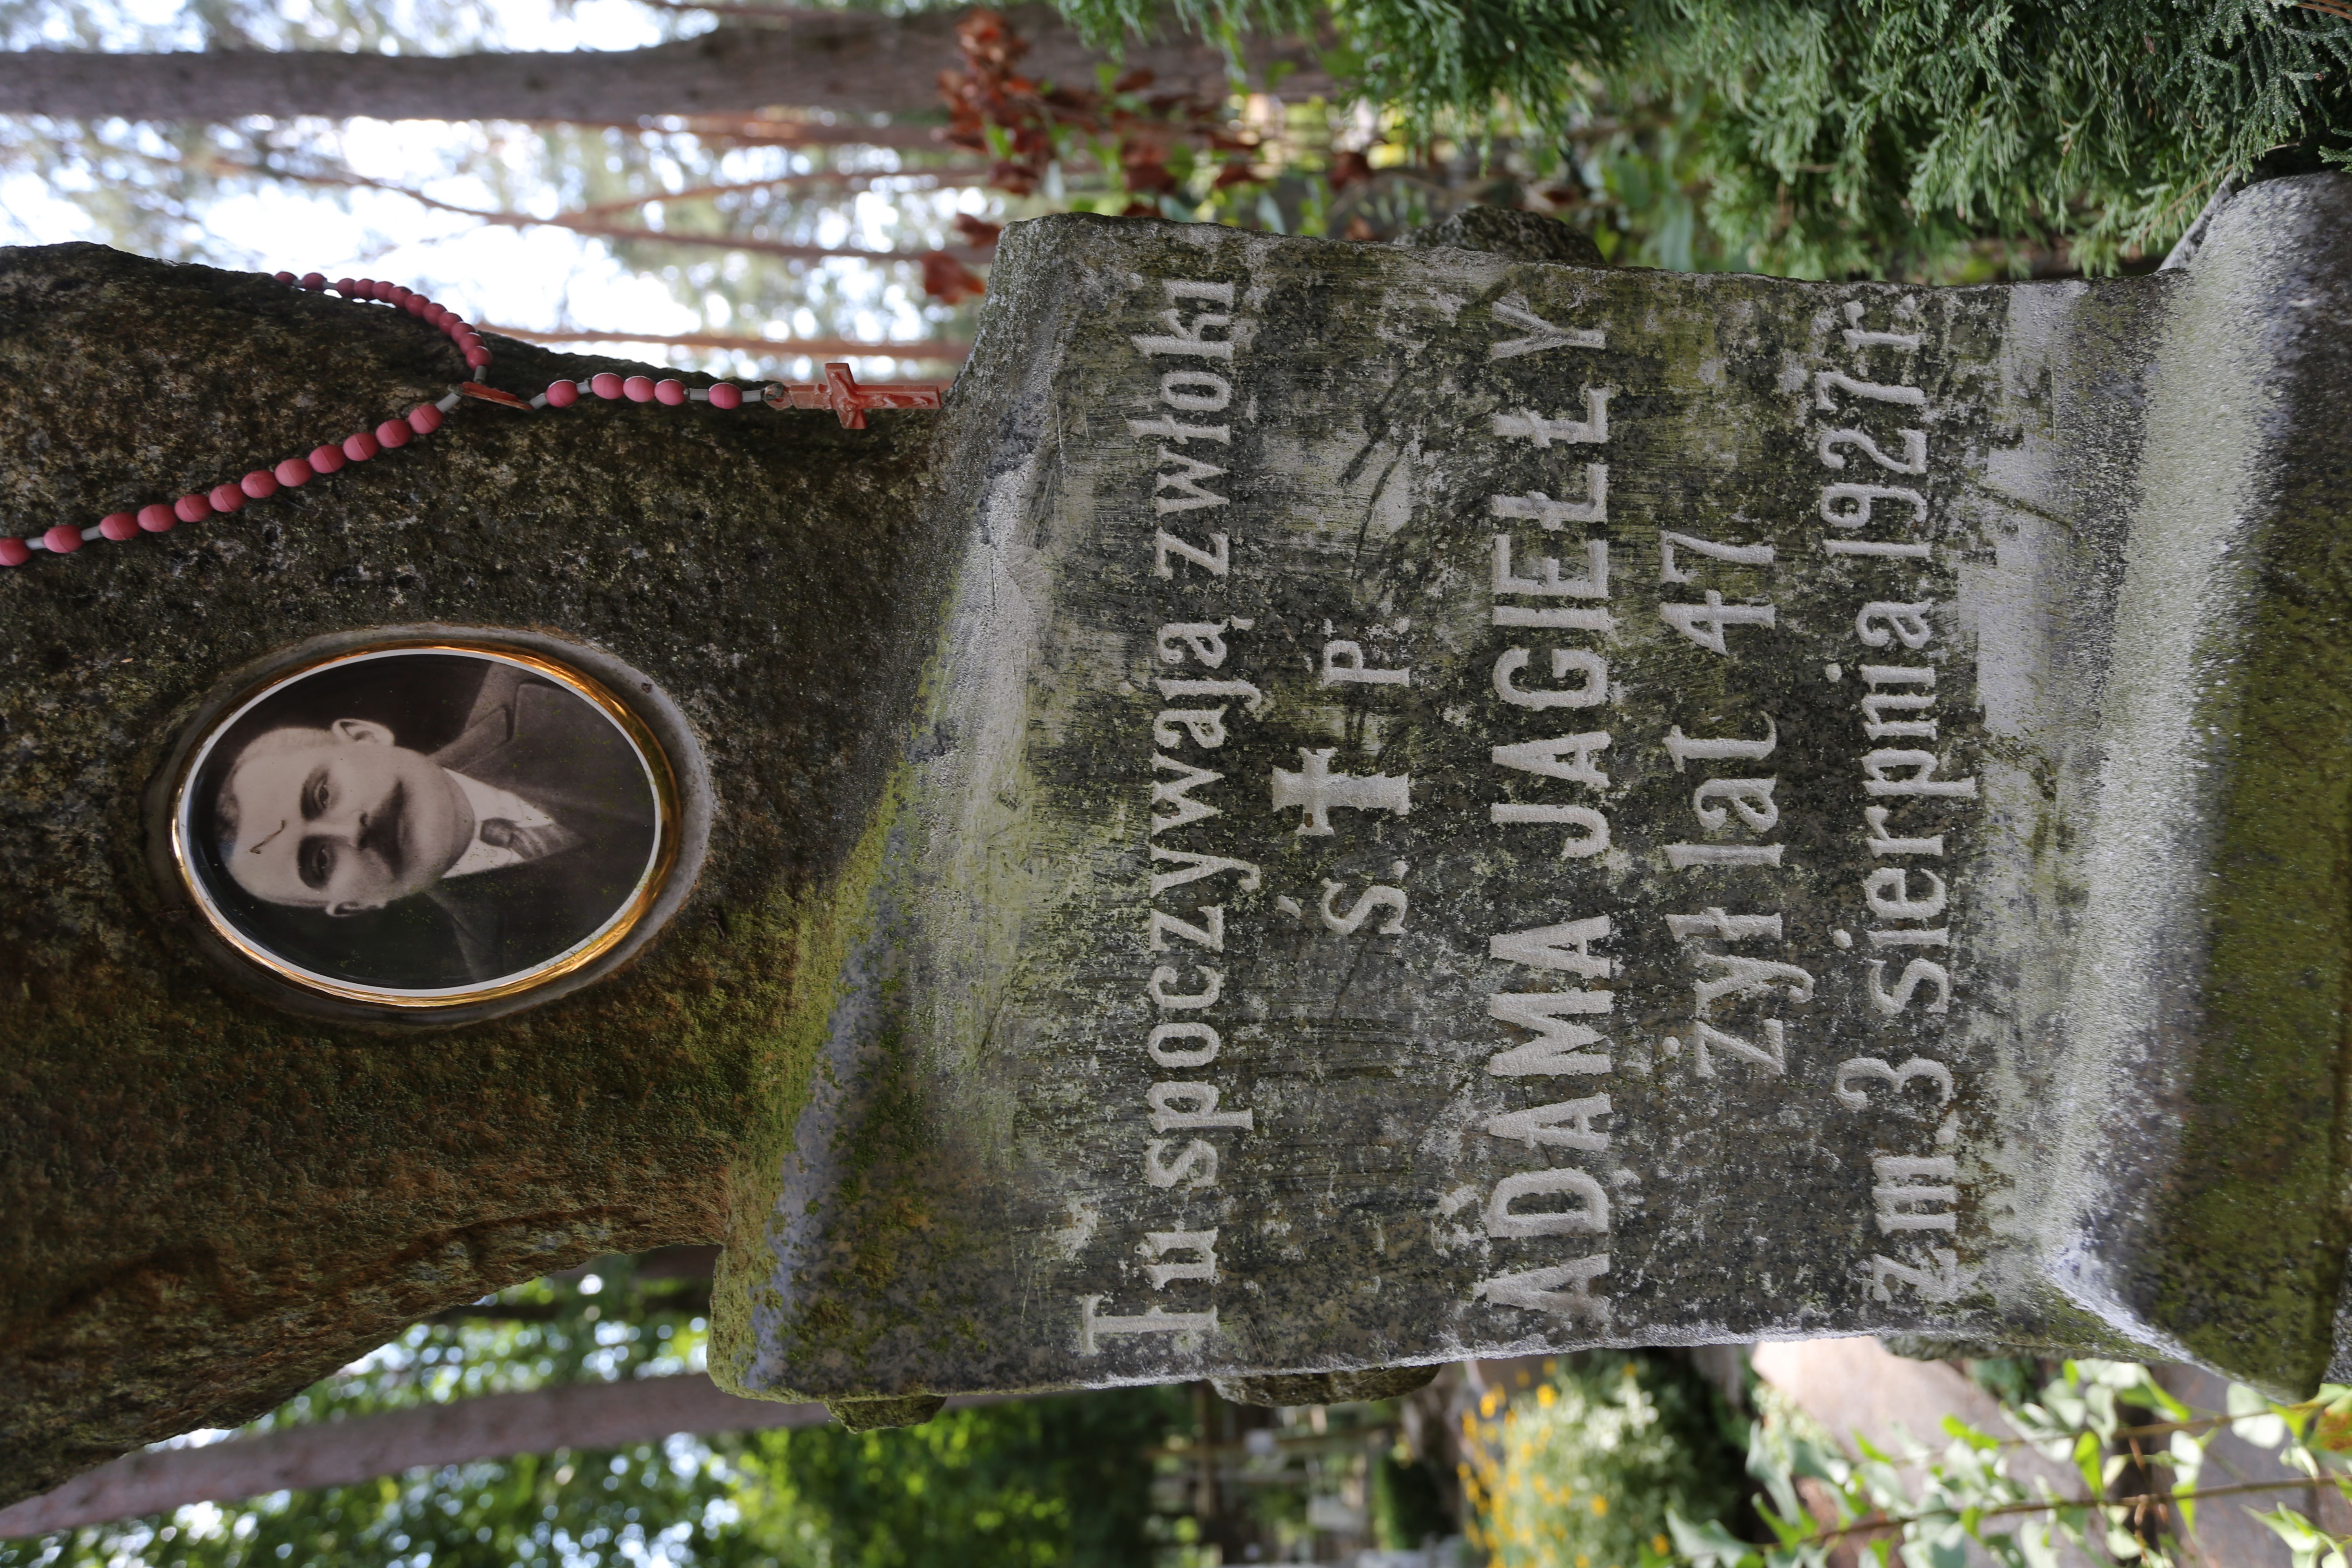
[(529, 736)]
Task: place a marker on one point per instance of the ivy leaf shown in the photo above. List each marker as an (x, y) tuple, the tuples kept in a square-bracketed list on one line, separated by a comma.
[(2333, 1430), (1949, 1548), (2088, 1454), (2255, 1419), (1956, 1427), (1709, 1545), (2301, 1538), (2036, 1546)]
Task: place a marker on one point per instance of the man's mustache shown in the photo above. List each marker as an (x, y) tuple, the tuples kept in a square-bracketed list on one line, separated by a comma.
[(383, 834)]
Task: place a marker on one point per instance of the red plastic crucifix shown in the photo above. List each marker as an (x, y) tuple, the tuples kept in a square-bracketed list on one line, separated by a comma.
[(839, 390)]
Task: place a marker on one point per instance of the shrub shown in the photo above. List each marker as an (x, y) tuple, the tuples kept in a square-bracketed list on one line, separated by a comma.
[(1581, 1470)]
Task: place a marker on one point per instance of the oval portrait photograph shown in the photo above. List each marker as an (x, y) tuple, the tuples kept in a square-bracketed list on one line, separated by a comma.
[(422, 826)]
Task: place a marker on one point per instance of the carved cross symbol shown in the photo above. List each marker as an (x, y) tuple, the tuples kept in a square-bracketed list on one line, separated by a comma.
[(1318, 791)]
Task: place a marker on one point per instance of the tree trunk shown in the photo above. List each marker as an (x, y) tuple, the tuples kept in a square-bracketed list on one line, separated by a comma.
[(849, 62), (338, 1453), (207, 1203)]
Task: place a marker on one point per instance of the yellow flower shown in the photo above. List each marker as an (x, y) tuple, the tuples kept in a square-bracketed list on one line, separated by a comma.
[(1491, 1402), (1658, 1543), (1599, 1506), (1583, 1560), (1547, 1396)]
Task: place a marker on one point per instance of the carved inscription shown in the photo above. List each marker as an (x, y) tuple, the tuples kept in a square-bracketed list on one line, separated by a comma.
[(1906, 793), (1187, 1122), (1684, 833), (1550, 678)]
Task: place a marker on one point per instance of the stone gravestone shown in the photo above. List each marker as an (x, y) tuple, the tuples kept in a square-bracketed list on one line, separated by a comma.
[(1470, 806), (1353, 806)]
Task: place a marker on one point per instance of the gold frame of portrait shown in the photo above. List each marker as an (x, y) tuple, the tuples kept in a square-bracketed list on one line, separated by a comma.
[(660, 771)]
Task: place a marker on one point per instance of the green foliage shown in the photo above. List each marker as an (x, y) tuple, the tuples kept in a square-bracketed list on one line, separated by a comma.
[(1022, 1485), (649, 1503), (1056, 1483), (2136, 1453), (657, 1502), (1590, 1466), (1407, 1508), (1839, 137)]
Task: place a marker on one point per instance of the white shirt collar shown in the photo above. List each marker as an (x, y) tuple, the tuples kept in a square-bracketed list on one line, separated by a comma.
[(488, 801)]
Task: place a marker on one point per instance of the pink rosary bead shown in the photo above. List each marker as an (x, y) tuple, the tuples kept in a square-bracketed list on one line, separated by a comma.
[(838, 392)]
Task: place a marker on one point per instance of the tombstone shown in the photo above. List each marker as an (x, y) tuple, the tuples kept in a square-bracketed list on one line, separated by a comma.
[(1472, 807), (1355, 806)]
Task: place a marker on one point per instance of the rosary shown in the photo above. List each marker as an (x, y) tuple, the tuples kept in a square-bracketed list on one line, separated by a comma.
[(838, 391)]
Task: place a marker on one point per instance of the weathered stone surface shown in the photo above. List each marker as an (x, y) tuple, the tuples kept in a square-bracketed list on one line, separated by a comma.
[(876, 1414), (1326, 1387), (1058, 789), (2012, 1012), (209, 1201), (1506, 231)]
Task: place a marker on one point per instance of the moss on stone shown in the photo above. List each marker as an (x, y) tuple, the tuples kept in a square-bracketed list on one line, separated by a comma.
[(211, 1201), (2255, 1234)]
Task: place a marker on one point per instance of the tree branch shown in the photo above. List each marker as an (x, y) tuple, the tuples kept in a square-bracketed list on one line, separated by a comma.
[(954, 177), (1896, 1521), (596, 228), (850, 62), (361, 1448)]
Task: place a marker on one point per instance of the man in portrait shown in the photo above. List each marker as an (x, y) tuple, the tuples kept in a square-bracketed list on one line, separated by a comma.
[(519, 837)]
